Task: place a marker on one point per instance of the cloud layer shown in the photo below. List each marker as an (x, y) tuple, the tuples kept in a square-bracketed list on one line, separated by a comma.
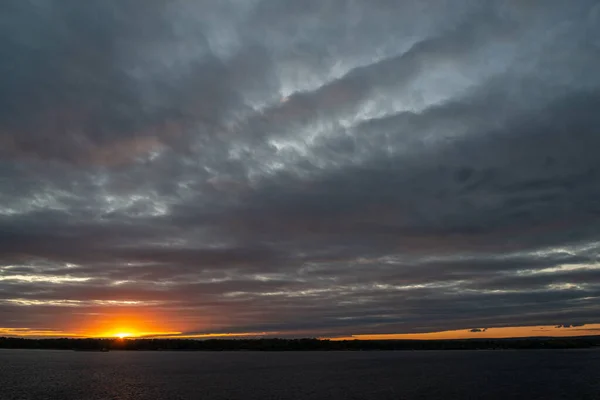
[(316, 167)]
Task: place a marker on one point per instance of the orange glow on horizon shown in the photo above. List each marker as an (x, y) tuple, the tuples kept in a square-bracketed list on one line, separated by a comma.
[(35, 333), (128, 324), (136, 327), (491, 333), (217, 335)]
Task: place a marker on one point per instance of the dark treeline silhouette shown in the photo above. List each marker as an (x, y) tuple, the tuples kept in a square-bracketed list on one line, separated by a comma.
[(297, 344)]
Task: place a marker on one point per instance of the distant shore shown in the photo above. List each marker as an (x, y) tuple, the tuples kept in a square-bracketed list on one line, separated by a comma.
[(310, 344)]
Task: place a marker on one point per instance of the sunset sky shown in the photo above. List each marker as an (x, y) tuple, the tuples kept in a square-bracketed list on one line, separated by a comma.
[(327, 168)]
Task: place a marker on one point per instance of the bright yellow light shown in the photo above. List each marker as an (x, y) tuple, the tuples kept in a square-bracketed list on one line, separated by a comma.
[(123, 335)]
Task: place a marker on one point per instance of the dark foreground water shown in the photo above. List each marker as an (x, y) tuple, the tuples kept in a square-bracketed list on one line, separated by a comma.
[(535, 374)]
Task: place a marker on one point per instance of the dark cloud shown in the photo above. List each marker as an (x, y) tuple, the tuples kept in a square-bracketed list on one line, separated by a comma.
[(319, 167), (478, 330)]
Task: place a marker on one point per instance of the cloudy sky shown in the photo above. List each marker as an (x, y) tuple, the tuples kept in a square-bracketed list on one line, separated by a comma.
[(315, 167)]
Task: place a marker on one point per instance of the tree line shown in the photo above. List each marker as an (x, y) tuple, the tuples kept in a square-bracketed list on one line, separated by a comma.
[(309, 344)]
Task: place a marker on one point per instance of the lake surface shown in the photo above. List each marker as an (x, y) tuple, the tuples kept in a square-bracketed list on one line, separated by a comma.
[(533, 374)]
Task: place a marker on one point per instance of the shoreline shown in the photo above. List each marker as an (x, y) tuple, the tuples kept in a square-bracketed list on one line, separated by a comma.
[(298, 345)]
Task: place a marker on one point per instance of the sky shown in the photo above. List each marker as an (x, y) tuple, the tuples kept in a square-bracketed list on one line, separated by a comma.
[(329, 168)]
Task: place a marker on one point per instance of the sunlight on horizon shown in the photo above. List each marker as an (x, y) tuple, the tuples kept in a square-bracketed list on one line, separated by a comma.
[(123, 335)]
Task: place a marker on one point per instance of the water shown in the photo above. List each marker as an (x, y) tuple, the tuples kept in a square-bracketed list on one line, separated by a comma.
[(65, 375)]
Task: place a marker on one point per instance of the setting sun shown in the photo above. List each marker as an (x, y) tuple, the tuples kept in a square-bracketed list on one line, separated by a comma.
[(122, 335)]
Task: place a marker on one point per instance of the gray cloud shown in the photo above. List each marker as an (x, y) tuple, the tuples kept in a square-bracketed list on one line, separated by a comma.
[(475, 330), (323, 167), (569, 325)]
